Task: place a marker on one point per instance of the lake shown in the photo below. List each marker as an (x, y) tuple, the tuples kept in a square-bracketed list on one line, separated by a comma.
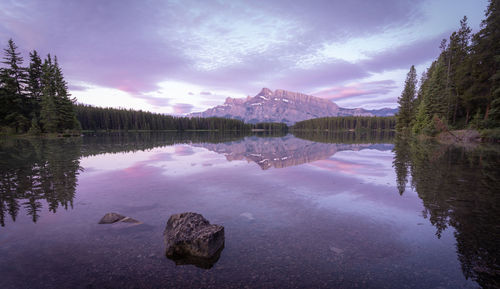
[(305, 211)]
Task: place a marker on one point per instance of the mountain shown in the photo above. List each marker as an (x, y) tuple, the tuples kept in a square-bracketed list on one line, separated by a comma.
[(282, 106), (383, 111)]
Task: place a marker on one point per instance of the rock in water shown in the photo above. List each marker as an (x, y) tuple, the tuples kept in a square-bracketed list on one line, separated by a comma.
[(111, 218), (191, 239)]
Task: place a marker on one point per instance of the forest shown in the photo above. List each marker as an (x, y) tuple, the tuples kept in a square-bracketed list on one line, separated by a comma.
[(94, 118), (461, 88), (347, 123)]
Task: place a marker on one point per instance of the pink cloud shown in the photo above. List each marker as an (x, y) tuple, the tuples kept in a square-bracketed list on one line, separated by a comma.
[(181, 108), (373, 88)]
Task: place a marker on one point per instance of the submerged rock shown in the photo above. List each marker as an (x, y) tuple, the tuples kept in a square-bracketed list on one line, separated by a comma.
[(191, 239), (111, 218)]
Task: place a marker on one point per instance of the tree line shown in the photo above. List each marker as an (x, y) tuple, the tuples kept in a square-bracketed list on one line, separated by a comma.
[(96, 119), (461, 88), (347, 123), (34, 98), (270, 126)]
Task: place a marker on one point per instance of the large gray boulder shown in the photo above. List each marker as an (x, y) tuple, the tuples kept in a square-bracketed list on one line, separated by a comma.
[(191, 239)]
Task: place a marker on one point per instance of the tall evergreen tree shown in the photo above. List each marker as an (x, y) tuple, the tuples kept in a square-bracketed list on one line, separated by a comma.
[(48, 113), (14, 70), (436, 93), (461, 77), (406, 101), (486, 59), (14, 110), (34, 88), (64, 105)]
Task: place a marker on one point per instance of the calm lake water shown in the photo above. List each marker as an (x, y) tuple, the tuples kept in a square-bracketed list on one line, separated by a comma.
[(318, 211)]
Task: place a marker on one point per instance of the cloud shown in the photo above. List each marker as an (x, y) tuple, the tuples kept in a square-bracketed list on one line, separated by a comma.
[(373, 88), (131, 47), (372, 102), (182, 108), (205, 93), (110, 43), (405, 55), (303, 46), (155, 101), (75, 87), (308, 80)]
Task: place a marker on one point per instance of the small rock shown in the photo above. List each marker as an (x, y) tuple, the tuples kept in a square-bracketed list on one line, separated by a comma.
[(191, 239), (111, 218)]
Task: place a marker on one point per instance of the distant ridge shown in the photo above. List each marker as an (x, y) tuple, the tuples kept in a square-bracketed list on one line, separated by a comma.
[(284, 106)]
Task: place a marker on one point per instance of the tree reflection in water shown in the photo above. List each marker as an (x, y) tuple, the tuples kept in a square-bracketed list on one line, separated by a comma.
[(33, 171), (459, 188)]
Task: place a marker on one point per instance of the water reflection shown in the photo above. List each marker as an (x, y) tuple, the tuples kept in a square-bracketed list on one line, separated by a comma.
[(347, 137), (459, 189), (94, 144), (283, 152), (37, 171)]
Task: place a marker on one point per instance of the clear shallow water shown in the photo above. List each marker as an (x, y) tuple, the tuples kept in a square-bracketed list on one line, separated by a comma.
[(297, 213)]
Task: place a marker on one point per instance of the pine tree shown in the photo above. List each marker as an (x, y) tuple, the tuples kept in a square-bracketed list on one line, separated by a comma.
[(486, 59), (406, 101), (434, 94), (64, 105), (422, 122), (461, 77), (14, 109), (35, 127), (34, 88), (14, 70), (48, 113)]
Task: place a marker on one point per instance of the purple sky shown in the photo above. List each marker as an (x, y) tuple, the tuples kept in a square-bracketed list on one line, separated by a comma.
[(182, 56)]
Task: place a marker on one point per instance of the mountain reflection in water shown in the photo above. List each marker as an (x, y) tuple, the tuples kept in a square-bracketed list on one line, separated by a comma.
[(283, 152), (38, 171)]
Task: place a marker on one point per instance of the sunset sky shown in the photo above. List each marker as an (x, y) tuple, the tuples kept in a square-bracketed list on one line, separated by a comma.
[(182, 56)]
